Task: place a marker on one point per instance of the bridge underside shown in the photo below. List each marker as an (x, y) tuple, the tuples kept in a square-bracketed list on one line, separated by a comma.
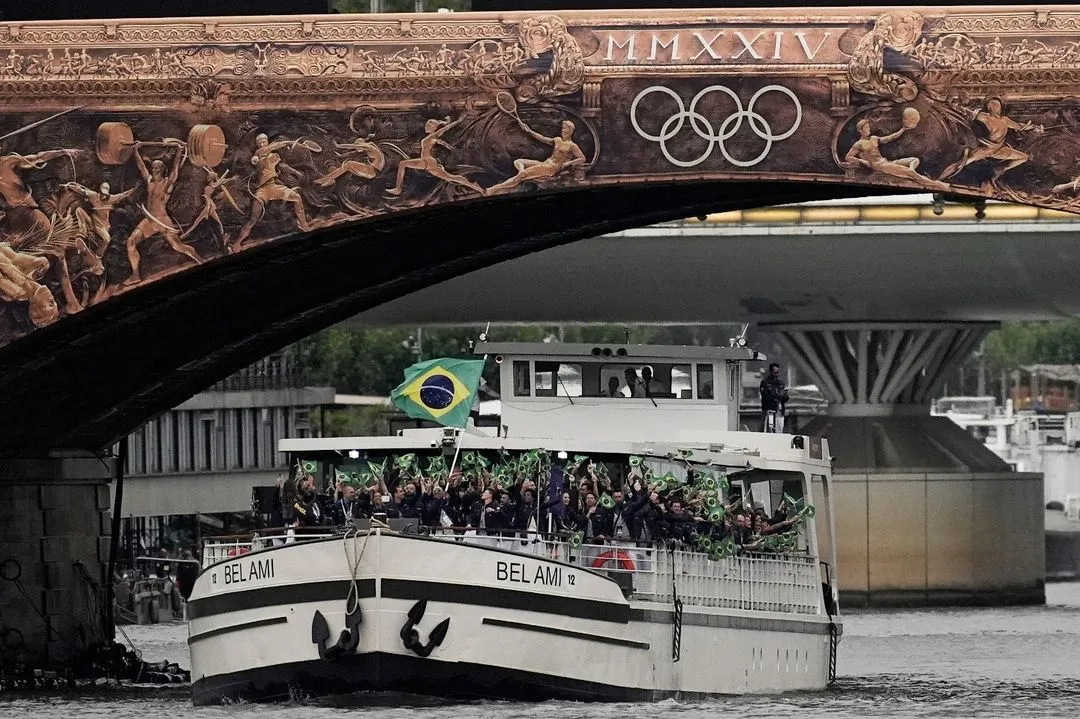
[(75, 384)]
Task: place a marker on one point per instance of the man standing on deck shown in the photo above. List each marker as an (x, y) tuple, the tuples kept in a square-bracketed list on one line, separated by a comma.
[(345, 508), (774, 398)]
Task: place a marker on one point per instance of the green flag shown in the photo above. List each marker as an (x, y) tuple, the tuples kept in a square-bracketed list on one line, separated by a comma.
[(440, 390)]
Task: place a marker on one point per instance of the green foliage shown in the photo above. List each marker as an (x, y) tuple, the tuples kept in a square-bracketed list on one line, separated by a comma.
[(1023, 343), (351, 422), (369, 361)]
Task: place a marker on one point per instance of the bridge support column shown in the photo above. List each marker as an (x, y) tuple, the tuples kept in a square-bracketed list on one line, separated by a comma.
[(926, 514), (54, 551)]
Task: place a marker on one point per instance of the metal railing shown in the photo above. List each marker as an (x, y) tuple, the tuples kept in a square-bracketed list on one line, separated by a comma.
[(278, 371), (216, 549), (785, 583), (776, 583)]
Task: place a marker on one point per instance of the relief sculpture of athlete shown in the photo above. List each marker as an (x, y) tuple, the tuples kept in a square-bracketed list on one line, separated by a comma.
[(156, 220), (269, 188), (995, 146), (22, 211), (101, 202), (565, 155)]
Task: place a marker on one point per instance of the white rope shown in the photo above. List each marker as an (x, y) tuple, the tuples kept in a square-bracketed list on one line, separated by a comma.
[(352, 601)]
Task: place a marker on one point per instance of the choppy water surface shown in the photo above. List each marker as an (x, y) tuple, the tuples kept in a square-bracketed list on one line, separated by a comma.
[(934, 663)]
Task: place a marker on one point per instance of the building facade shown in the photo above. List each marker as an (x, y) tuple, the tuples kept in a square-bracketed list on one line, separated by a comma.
[(193, 466)]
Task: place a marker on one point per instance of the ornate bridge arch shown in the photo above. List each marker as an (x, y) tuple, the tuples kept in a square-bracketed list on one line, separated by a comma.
[(182, 196)]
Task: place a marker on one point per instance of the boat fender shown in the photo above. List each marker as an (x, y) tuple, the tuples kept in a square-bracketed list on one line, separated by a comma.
[(623, 559), (410, 637)]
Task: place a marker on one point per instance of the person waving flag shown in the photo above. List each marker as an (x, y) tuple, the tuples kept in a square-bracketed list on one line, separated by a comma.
[(440, 390)]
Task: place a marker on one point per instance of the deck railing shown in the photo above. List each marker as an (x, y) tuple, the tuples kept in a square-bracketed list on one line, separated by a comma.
[(216, 549), (763, 583), (785, 583)]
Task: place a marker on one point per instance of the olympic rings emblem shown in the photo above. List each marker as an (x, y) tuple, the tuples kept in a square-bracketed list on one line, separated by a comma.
[(704, 129)]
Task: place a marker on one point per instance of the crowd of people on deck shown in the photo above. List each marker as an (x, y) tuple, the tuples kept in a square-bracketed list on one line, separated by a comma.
[(585, 507)]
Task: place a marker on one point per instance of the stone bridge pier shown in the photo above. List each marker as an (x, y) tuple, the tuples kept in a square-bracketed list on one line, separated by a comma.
[(925, 513), (54, 553)]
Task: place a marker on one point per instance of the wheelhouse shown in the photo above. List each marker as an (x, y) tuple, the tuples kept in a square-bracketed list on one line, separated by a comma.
[(646, 392)]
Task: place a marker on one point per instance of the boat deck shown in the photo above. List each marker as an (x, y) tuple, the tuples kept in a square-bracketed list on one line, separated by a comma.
[(775, 582)]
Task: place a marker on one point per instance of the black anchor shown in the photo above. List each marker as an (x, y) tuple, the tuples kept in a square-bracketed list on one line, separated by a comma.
[(411, 638), (347, 641)]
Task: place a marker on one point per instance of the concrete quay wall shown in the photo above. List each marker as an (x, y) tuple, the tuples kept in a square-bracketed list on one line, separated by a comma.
[(938, 539)]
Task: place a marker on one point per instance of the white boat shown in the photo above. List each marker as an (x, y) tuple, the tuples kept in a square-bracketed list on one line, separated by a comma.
[(539, 617)]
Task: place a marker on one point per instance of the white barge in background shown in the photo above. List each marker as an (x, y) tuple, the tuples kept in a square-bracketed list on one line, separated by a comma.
[(499, 618)]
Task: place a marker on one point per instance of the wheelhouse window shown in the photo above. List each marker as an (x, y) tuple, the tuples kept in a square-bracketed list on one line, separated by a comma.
[(522, 380), (616, 380), (557, 379), (705, 388), (681, 384), (656, 380)]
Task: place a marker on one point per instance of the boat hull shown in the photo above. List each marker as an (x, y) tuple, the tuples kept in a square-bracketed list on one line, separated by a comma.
[(526, 628), (411, 675)]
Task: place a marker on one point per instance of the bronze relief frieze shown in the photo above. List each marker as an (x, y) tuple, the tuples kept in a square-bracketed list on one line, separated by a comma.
[(132, 150)]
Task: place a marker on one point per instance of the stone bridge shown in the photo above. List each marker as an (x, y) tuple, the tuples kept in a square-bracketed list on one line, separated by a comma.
[(181, 197)]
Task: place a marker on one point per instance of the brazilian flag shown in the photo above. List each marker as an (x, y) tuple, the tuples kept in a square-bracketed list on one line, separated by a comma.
[(440, 390)]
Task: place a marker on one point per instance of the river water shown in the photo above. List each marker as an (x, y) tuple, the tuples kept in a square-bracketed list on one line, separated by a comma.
[(921, 663)]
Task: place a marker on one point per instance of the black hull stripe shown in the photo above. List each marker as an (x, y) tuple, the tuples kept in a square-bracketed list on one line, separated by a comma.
[(237, 628), (277, 595), (565, 633), (285, 595), (591, 609), (413, 675)]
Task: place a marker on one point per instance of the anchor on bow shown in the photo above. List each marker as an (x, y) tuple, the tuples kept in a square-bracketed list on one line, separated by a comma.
[(411, 637), (347, 641)]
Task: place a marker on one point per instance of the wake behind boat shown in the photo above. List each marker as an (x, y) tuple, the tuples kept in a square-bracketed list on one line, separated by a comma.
[(668, 583)]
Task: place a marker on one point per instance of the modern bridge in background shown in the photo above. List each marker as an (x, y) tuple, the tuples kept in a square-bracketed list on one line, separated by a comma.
[(875, 300), (269, 177), (873, 259)]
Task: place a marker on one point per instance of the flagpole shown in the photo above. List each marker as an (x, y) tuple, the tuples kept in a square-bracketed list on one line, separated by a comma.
[(457, 453), (461, 434), (536, 498)]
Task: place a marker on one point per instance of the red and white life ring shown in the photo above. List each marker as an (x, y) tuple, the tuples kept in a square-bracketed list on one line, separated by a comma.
[(614, 555), (238, 551)]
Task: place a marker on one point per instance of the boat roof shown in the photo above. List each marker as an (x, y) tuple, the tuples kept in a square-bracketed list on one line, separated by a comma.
[(724, 450), (602, 351)]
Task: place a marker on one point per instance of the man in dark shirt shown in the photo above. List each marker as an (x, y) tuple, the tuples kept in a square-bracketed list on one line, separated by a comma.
[(433, 504), (400, 505), (345, 508), (774, 397), (308, 509), (680, 522), (744, 533)]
